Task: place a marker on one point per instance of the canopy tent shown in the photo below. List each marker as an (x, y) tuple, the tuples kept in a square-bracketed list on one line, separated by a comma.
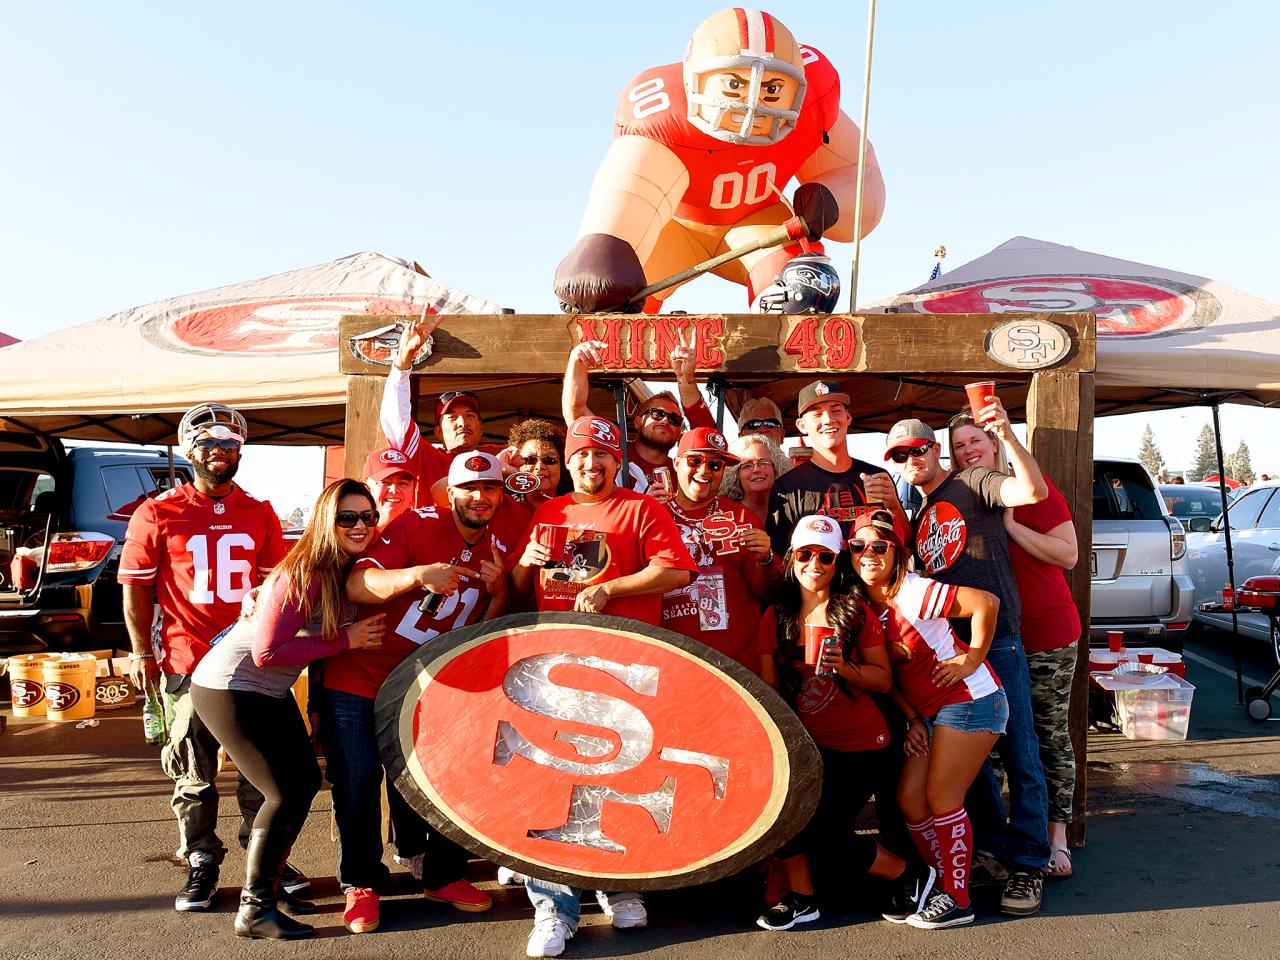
[(5, 339), (267, 347)]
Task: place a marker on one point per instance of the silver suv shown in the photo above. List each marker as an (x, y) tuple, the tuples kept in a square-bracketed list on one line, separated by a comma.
[(1140, 581)]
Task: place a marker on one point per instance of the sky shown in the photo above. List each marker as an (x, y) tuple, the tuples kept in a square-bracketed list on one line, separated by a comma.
[(153, 150)]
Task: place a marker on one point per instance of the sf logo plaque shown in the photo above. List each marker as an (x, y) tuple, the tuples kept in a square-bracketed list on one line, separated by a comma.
[(596, 751)]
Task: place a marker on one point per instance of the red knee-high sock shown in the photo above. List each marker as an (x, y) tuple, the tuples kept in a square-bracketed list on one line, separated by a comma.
[(925, 836), (955, 836)]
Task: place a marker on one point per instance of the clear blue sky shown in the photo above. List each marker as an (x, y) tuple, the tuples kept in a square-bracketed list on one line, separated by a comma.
[(152, 150)]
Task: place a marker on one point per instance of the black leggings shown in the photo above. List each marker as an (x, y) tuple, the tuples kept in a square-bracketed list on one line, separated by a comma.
[(268, 741)]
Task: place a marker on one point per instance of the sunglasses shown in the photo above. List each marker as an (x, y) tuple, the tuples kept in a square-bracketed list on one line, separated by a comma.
[(769, 424), (673, 418), (694, 461), (550, 460), (902, 453), (229, 445), (878, 547), (347, 519), (825, 557)]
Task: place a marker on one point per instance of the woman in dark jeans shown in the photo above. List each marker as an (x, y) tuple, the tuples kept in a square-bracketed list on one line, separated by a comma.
[(241, 689)]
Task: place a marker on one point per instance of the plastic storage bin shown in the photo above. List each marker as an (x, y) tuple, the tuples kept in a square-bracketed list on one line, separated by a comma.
[(1150, 706)]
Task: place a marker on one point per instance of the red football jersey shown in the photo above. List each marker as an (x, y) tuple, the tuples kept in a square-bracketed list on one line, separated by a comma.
[(415, 537), (728, 181), (203, 555)]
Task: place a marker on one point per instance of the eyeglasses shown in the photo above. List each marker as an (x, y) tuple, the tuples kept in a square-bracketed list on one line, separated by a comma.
[(208, 443), (694, 461), (878, 547), (550, 460), (902, 453), (656, 413), (347, 519), (825, 557), (755, 464), (769, 424)]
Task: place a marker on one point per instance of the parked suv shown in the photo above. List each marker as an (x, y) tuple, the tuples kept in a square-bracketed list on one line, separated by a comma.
[(63, 514), (1140, 582)]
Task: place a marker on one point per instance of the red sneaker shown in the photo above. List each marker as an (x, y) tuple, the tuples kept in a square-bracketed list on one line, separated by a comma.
[(462, 895), (361, 915)]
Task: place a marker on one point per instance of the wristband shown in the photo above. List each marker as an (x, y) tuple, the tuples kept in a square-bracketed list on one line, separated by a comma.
[(768, 560), (142, 656)]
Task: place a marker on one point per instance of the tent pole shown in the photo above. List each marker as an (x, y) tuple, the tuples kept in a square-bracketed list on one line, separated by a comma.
[(862, 161), (620, 407), (1231, 563)]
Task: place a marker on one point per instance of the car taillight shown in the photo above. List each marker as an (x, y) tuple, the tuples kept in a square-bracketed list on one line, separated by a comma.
[(78, 550), (1177, 538)]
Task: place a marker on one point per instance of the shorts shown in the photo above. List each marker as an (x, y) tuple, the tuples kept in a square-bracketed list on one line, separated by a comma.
[(989, 714)]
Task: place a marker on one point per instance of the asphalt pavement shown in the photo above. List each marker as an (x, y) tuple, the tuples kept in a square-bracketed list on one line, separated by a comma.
[(1181, 860)]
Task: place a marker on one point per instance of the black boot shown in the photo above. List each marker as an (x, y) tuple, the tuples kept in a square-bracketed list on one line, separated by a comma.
[(259, 917)]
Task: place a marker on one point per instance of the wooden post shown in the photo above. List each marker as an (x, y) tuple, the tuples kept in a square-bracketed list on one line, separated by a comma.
[(364, 435), (1060, 436)]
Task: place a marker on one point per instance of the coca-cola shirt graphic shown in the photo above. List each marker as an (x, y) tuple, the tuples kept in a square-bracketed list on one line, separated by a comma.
[(940, 537)]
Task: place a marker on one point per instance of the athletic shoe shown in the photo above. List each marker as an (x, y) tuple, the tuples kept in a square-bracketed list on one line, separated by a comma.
[(202, 884), (361, 915), (987, 870), (941, 911), (548, 938), (786, 913), (509, 878), (1023, 893), (627, 914), (910, 894), (293, 880), (463, 895)]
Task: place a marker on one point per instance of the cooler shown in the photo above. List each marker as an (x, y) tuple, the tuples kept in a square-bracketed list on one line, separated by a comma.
[(1150, 706), (1102, 661)]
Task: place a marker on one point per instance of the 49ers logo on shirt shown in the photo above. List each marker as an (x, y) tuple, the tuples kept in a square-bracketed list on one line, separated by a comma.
[(521, 482), (940, 537), (288, 325), (596, 751)]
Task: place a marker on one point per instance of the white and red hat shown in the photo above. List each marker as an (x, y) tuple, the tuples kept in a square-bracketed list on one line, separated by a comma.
[(817, 531), (707, 440), (387, 462), (593, 433), (470, 467)]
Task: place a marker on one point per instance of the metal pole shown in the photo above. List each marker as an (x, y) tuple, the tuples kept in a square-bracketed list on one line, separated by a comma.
[(862, 160), (718, 389), (620, 406), (1231, 563)]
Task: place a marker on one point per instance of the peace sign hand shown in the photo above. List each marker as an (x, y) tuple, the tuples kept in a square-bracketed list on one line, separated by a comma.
[(414, 336), (682, 356)]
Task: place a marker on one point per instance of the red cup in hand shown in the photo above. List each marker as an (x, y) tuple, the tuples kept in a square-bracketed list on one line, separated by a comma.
[(554, 537), (814, 636), (980, 394)]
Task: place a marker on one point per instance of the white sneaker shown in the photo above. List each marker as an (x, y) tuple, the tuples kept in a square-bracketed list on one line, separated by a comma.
[(548, 938), (509, 878), (628, 914)]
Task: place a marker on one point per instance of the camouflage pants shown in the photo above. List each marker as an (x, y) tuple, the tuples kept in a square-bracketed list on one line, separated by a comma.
[(1051, 672)]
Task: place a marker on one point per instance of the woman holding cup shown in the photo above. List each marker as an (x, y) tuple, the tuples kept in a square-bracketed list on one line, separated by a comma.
[(823, 648)]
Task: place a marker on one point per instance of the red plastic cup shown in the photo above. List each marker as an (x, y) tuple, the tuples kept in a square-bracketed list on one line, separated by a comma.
[(1115, 640), (1146, 658), (980, 394), (554, 537), (814, 636)]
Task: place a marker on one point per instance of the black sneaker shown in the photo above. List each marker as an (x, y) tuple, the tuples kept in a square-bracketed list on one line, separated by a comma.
[(293, 880), (941, 911), (202, 884), (911, 892), (792, 909), (1022, 893)]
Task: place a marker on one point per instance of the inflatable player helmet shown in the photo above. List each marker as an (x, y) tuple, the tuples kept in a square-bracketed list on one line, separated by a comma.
[(747, 43), (807, 284), (215, 419)]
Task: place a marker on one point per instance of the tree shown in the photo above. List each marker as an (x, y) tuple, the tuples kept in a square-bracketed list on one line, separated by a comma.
[(1238, 464), (296, 518), (1149, 453), (1206, 461)]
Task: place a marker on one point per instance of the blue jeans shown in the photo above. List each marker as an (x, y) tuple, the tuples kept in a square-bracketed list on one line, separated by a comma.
[(354, 768), (1022, 841), (563, 902)]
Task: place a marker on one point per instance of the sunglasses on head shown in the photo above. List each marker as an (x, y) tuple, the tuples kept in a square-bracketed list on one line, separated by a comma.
[(657, 413), (549, 460), (767, 424), (825, 557), (347, 519), (902, 453), (209, 443), (878, 547), (695, 461)]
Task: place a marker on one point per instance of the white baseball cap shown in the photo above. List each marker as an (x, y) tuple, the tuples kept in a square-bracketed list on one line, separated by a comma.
[(817, 531), (470, 467)]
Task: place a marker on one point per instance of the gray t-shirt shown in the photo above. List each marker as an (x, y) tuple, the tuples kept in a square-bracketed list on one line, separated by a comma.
[(960, 539)]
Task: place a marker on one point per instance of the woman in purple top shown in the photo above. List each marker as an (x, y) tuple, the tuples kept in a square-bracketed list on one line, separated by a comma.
[(241, 689)]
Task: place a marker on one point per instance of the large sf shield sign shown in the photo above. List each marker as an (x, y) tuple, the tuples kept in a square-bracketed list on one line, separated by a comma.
[(596, 751)]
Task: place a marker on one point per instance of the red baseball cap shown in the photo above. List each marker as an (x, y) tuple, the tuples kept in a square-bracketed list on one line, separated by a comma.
[(454, 398), (593, 432), (883, 523), (707, 440), (387, 462)]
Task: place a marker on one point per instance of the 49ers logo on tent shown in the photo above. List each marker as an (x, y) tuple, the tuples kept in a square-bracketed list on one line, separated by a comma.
[(596, 751), (1125, 307), (940, 537)]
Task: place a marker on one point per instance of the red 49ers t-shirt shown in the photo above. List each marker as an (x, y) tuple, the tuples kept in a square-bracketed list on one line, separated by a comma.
[(203, 555), (609, 539), (415, 537), (838, 716), (1050, 619)]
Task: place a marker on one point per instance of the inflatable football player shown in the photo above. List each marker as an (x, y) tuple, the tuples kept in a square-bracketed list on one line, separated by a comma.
[(702, 152)]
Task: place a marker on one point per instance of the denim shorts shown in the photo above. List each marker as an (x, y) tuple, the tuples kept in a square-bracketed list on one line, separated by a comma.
[(987, 714)]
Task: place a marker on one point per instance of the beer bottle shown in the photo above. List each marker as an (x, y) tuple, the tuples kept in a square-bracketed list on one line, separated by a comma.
[(153, 726)]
